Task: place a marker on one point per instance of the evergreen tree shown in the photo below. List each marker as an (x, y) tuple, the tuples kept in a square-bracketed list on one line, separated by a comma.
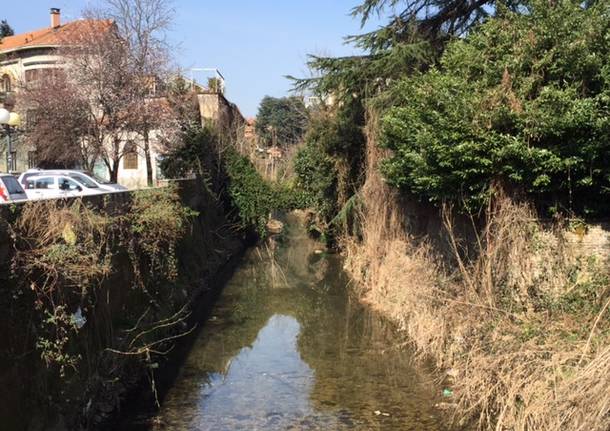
[(521, 101), (5, 29), (281, 121)]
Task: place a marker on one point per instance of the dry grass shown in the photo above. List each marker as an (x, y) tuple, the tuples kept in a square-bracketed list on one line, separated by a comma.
[(524, 325), (62, 244)]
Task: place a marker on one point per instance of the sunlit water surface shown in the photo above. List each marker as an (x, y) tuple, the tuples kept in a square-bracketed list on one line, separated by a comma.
[(287, 349)]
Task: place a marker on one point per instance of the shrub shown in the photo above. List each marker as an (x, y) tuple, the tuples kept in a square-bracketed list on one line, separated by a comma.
[(522, 100), (317, 179)]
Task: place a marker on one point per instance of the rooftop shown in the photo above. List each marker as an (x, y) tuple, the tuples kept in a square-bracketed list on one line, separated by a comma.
[(53, 36)]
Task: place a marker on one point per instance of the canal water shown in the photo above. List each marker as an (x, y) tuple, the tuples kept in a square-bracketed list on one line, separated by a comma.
[(286, 348)]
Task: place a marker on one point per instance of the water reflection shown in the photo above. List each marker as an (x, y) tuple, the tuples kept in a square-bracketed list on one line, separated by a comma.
[(288, 349)]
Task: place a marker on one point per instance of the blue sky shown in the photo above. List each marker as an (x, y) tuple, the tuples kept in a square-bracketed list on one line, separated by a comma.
[(254, 43)]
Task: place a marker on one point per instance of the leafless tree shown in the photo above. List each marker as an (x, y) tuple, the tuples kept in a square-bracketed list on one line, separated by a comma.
[(143, 25), (115, 65), (153, 120), (59, 122), (98, 64)]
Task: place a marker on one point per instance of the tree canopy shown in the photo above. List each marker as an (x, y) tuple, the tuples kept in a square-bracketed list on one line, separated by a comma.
[(522, 100), (413, 39), (5, 29), (281, 121)]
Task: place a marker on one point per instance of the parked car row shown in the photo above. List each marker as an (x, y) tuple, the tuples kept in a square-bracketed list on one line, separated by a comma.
[(48, 184)]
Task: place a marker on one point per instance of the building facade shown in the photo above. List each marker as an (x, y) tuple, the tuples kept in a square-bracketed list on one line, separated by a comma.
[(27, 59)]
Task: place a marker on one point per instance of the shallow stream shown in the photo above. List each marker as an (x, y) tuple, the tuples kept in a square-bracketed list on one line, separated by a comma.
[(286, 348)]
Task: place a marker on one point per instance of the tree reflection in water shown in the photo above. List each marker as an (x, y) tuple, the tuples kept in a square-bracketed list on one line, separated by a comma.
[(287, 348)]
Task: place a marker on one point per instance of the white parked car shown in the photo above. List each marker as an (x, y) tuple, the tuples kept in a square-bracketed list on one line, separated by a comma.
[(48, 186), (83, 177), (10, 189)]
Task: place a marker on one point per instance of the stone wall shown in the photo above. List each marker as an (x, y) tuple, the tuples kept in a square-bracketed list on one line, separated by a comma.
[(33, 397), (593, 239), (424, 222), (224, 114)]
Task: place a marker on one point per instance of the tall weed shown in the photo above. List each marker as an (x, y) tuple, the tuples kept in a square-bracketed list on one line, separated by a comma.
[(521, 326)]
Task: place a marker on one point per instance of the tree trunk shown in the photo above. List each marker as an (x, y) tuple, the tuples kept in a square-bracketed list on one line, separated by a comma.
[(114, 171)]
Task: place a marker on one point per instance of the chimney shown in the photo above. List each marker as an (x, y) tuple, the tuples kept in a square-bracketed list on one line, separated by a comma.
[(55, 17)]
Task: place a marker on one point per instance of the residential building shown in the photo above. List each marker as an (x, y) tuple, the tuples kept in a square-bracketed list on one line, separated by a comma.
[(27, 59)]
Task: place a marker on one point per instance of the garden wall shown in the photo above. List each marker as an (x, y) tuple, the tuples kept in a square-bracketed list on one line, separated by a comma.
[(35, 395)]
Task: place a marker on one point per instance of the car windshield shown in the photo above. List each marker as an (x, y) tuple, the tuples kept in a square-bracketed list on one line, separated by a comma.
[(99, 179), (84, 180), (12, 186), (27, 175)]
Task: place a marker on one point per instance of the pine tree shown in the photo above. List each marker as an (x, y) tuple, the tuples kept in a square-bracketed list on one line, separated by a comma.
[(413, 39), (5, 29)]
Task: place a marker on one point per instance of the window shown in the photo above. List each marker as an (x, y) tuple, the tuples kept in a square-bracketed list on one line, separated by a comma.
[(41, 183), (31, 118), (84, 180), (5, 84), (67, 184), (130, 156), (32, 159), (32, 76), (35, 78), (12, 186)]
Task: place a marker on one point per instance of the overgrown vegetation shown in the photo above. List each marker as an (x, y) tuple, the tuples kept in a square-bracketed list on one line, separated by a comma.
[(329, 166), (253, 197), (522, 101), (470, 140), (519, 329), (157, 220), (66, 254), (231, 178), (63, 254)]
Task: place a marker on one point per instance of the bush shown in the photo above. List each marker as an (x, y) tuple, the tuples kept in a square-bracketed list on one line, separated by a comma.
[(329, 167), (523, 101), (317, 179), (251, 195)]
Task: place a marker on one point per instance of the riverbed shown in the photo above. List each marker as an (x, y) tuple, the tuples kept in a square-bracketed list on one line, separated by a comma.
[(287, 348)]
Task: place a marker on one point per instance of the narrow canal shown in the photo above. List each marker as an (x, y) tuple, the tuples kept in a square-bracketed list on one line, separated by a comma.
[(287, 349)]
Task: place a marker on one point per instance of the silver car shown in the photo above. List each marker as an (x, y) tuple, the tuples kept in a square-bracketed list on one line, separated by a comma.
[(89, 180), (52, 185), (10, 189)]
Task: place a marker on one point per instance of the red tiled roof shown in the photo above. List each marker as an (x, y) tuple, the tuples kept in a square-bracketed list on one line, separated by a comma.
[(68, 33)]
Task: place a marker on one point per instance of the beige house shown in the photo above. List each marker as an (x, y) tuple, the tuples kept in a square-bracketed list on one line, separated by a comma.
[(26, 59), (29, 57)]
